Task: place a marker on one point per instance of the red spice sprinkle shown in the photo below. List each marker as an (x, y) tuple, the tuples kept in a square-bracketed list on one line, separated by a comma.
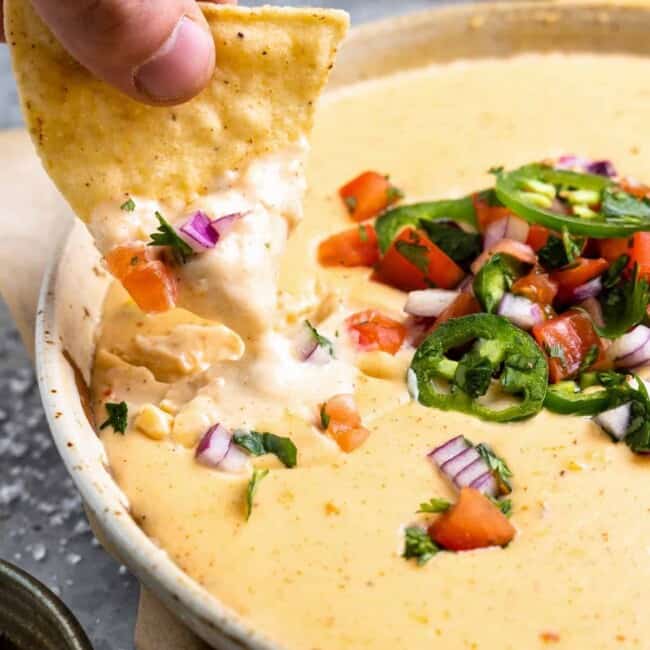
[(549, 637)]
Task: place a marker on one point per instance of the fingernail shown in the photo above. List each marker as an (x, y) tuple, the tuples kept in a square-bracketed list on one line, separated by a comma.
[(181, 66)]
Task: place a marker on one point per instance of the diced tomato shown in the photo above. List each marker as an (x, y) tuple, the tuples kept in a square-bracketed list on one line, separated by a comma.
[(464, 305), (537, 236), (368, 194), (341, 420), (635, 189), (576, 274), (640, 253), (537, 287), (150, 282), (356, 247), (371, 330), (612, 249), (413, 261), (511, 247), (473, 522), (486, 213), (567, 340)]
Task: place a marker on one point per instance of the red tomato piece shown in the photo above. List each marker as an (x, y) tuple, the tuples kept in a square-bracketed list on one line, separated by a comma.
[(612, 249), (537, 287), (356, 247), (413, 261), (576, 274), (473, 522), (486, 213), (150, 282), (538, 236), (464, 305), (640, 253), (371, 330), (567, 340), (368, 194), (635, 189), (341, 420)]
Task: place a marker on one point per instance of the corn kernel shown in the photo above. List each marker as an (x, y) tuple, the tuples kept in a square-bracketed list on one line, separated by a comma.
[(381, 365), (153, 422)]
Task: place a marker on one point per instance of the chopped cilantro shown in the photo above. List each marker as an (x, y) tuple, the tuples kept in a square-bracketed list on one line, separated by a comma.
[(324, 417), (434, 506), (589, 358), (474, 374), (496, 170), (553, 254), (258, 444), (556, 351), (612, 275), (251, 490), (624, 305), (363, 233), (418, 544), (394, 194), (505, 505), (498, 466), (118, 414), (351, 203), (167, 236), (461, 246), (322, 341), (128, 205), (415, 253)]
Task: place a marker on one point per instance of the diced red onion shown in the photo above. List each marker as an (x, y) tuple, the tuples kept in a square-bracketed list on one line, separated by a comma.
[(429, 302), (593, 308), (440, 455), (578, 163), (615, 422), (486, 484), (588, 290), (507, 228), (522, 252), (214, 446), (412, 384), (199, 232), (307, 348), (631, 349), (520, 311), (235, 461), (467, 476), (224, 224), (459, 462), (467, 285), (601, 168)]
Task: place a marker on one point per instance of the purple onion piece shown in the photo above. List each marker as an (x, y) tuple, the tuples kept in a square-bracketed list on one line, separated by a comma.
[(520, 311), (429, 303), (467, 285), (588, 290), (199, 233), (495, 232), (468, 475), (235, 461), (486, 484), (223, 225), (625, 350), (593, 308), (440, 455), (459, 462), (305, 342), (637, 358), (601, 168), (615, 422), (214, 446)]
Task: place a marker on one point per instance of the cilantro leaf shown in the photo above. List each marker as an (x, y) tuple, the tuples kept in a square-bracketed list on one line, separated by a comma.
[(613, 274), (258, 444), (415, 253), (498, 466), (418, 544), (621, 206), (624, 306), (322, 341), (167, 236), (434, 506), (505, 505), (474, 374), (251, 489), (589, 358), (128, 205), (394, 194), (118, 414), (363, 233), (324, 417), (556, 351), (461, 246)]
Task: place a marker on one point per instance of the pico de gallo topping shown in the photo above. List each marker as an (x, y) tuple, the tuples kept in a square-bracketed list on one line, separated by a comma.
[(532, 293)]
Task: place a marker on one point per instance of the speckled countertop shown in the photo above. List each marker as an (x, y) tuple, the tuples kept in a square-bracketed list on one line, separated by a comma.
[(42, 525)]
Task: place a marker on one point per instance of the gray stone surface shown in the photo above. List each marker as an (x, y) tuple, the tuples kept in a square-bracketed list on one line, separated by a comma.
[(42, 525)]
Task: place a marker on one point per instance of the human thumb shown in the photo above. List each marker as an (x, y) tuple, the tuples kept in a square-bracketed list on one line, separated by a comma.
[(158, 52)]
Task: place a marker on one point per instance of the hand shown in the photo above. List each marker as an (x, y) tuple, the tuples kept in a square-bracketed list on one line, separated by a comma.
[(156, 51)]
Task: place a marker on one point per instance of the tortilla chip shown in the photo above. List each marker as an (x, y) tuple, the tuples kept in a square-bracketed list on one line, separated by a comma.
[(98, 145)]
